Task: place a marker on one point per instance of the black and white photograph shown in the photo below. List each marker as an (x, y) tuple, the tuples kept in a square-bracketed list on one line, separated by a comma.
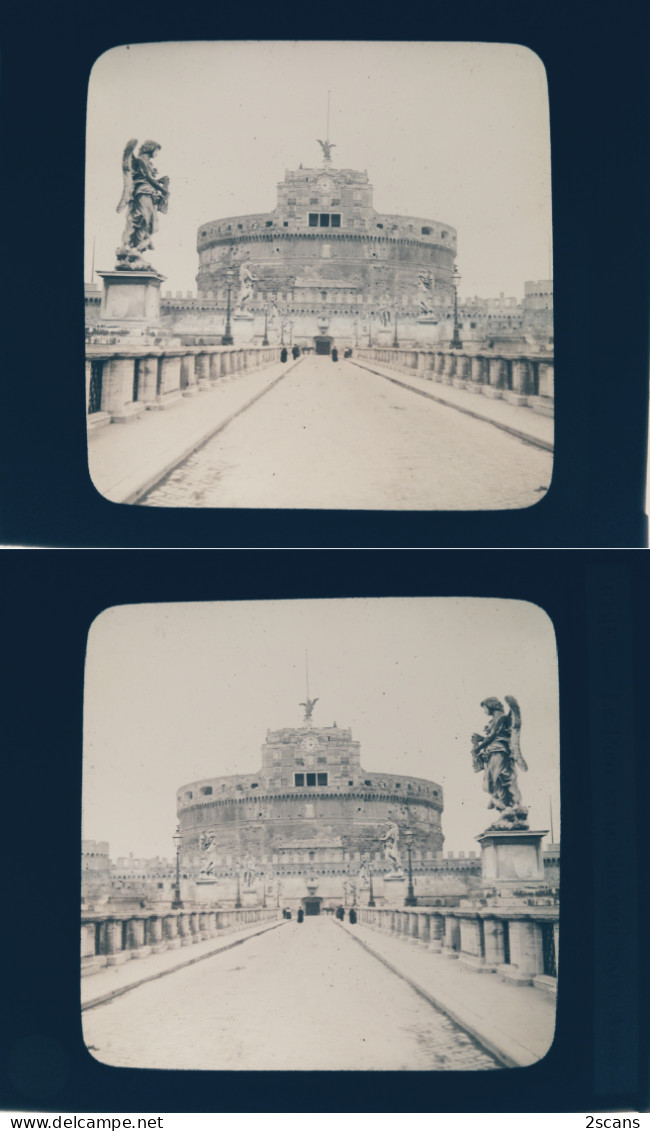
[(318, 276), (321, 835)]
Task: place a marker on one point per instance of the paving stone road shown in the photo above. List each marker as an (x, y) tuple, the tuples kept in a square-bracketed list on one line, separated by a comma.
[(305, 996), (336, 436)]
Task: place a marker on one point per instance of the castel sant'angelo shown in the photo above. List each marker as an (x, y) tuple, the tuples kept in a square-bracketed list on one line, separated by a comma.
[(328, 261), (310, 827)]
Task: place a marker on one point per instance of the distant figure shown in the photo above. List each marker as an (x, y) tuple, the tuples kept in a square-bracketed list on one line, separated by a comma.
[(352, 915), (335, 354), (284, 355), (340, 912), (301, 914), (295, 352)]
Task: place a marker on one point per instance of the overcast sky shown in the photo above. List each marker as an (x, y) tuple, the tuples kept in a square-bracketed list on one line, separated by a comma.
[(179, 692), (452, 132)]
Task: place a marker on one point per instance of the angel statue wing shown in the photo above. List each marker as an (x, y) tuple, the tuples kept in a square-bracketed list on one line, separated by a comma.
[(127, 169), (515, 728), (309, 706)]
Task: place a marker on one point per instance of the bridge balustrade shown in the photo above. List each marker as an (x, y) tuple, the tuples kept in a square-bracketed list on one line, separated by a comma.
[(123, 381), (521, 378), (519, 944), (108, 940)]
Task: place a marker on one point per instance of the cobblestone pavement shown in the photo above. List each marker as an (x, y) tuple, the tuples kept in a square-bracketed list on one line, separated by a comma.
[(306, 996), (336, 436)]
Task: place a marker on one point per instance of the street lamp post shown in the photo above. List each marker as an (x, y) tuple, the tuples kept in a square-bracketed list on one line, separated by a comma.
[(227, 338), (238, 896), (410, 900), (177, 838), (455, 343), (265, 339), (371, 894), (395, 338)]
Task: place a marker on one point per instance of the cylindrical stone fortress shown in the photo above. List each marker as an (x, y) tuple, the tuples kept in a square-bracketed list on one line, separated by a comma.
[(307, 823)]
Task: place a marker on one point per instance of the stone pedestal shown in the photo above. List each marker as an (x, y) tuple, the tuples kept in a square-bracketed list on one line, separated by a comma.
[(131, 299), (394, 889), (242, 328), (427, 329), (511, 861)]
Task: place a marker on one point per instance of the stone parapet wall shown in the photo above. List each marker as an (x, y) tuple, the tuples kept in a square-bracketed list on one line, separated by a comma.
[(109, 940), (524, 377), (519, 944), (123, 381)]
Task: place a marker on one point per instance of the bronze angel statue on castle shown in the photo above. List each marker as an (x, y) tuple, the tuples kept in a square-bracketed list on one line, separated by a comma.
[(498, 754), (144, 195)]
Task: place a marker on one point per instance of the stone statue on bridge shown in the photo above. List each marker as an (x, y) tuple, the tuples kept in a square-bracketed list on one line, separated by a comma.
[(144, 194), (391, 851), (426, 287), (245, 288), (206, 844), (497, 754)]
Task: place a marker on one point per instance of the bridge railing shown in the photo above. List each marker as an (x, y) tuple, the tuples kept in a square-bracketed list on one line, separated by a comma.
[(123, 381), (108, 940), (520, 944), (522, 378)]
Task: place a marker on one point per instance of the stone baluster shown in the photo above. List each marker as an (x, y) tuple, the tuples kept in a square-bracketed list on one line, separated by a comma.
[(451, 945), (526, 954), (496, 382), (117, 389), (437, 932), (546, 375), (450, 369), (169, 389), (170, 931), (494, 936), (148, 379), (202, 369), (215, 368), (193, 923), (184, 933), (189, 386), (471, 941), (112, 942), (424, 931), (462, 371), (136, 937), (154, 927), (477, 372), (521, 376)]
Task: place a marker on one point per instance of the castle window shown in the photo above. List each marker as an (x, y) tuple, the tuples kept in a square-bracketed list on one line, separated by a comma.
[(335, 202), (426, 231), (350, 783), (311, 779), (313, 200), (269, 223), (322, 779), (254, 785), (380, 225), (298, 779), (313, 219), (205, 789), (240, 226), (291, 200), (336, 219), (324, 219), (443, 235)]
